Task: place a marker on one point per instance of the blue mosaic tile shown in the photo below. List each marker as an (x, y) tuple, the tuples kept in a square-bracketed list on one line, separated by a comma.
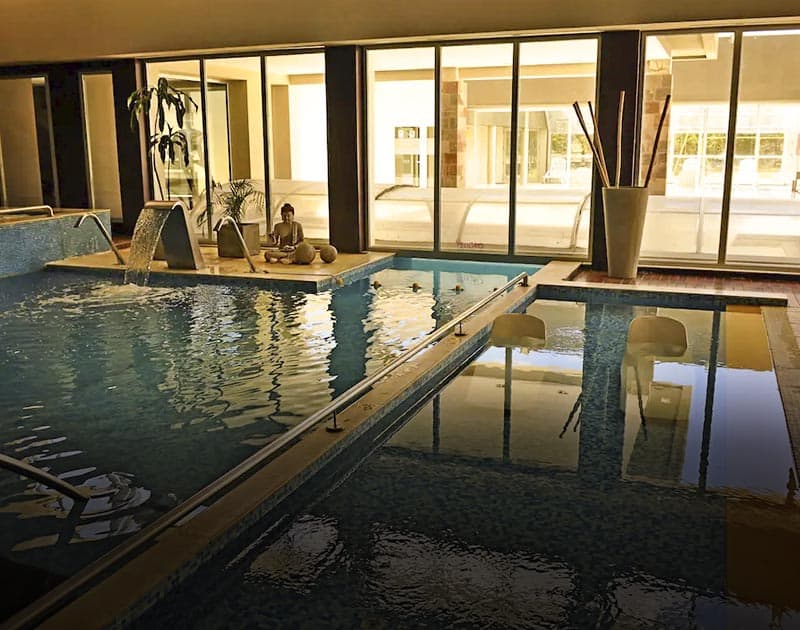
[(688, 300), (26, 246)]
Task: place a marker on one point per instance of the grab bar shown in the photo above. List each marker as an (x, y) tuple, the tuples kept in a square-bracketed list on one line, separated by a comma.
[(37, 474), (240, 237), (49, 602), (29, 210), (104, 231)]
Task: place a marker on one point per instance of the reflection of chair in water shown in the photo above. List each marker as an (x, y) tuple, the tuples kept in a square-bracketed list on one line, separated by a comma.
[(659, 452), (509, 331)]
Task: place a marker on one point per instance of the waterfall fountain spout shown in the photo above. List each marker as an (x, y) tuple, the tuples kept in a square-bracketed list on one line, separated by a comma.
[(103, 231), (242, 243)]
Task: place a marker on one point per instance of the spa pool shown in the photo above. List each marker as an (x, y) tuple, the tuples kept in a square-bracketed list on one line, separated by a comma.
[(147, 394)]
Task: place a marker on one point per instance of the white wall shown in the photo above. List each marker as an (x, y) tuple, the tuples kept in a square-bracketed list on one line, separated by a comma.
[(101, 134), (20, 160), (309, 132)]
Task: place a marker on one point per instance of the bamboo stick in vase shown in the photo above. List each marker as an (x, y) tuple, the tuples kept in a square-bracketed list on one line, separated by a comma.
[(595, 154), (620, 109), (599, 144)]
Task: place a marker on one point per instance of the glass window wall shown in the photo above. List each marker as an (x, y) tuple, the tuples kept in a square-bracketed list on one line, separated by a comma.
[(401, 116), (552, 165), (686, 186), (554, 160), (298, 140), (475, 140), (235, 139), (764, 220), (175, 179)]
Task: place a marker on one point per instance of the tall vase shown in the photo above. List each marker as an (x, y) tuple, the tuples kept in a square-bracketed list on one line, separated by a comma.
[(625, 209)]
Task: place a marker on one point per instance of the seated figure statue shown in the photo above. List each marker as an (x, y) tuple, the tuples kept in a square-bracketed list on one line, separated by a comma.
[(285, 236), (288, 233)]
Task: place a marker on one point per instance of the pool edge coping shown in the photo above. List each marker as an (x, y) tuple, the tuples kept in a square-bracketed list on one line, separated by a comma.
[(272, 280)]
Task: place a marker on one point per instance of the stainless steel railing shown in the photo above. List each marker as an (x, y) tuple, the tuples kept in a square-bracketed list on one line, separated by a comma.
[(240, 238), (103, 231), (37, 474), (50, 602), (29, 210)]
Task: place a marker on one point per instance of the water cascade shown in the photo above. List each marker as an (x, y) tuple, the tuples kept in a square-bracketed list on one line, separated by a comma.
[(169, 221), (143, 245)]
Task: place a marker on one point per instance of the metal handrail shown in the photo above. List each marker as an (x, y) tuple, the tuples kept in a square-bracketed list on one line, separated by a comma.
[(28, 210), (37, 474), (50, 601), (104, 232), (242, 242)]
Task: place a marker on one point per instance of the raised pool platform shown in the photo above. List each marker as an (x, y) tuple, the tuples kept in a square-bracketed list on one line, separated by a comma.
[(29, 241), (317, 276)]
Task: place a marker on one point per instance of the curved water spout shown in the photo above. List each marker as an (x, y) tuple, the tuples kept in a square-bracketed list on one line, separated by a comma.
[(104, 231)]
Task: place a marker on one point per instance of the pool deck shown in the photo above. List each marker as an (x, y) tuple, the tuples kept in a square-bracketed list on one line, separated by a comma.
[(180, 550), (317, 276)]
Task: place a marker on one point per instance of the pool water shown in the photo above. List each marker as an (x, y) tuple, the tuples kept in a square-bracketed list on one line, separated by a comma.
[(147, 394), (587, 482)]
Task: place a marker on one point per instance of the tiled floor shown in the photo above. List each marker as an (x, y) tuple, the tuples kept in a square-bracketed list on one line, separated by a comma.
[(652, 278)]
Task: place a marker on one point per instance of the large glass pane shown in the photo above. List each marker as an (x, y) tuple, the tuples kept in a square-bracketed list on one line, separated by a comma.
[(235, 139), (475, 104), (400, 130), (683, 214), (27, 174), (100, 127), (174, 179), (765, 206), (554, 161), (298, 140)]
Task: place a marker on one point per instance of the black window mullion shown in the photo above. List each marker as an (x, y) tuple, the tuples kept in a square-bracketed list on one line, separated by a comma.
[(437, 151), (512, 176), (722, 252), (265, 141), (204, 121)]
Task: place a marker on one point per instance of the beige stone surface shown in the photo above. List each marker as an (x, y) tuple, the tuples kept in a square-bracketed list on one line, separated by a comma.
[(234, 267)]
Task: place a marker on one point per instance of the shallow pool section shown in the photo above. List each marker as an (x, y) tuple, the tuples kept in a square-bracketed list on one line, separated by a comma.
[(147, 394), (602, 478)]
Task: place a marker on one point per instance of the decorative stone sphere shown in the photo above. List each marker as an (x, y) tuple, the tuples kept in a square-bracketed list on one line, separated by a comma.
[(304, 253), (328, 253)]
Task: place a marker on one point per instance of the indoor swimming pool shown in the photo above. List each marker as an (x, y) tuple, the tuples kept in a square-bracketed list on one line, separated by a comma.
[(146, 394), (631, 467)]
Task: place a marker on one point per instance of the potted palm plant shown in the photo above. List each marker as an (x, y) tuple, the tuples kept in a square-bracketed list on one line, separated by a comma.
[(170, 144), (234, 200)]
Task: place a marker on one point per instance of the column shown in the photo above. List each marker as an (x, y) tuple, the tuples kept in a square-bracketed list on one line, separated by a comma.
[(343, 81)]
